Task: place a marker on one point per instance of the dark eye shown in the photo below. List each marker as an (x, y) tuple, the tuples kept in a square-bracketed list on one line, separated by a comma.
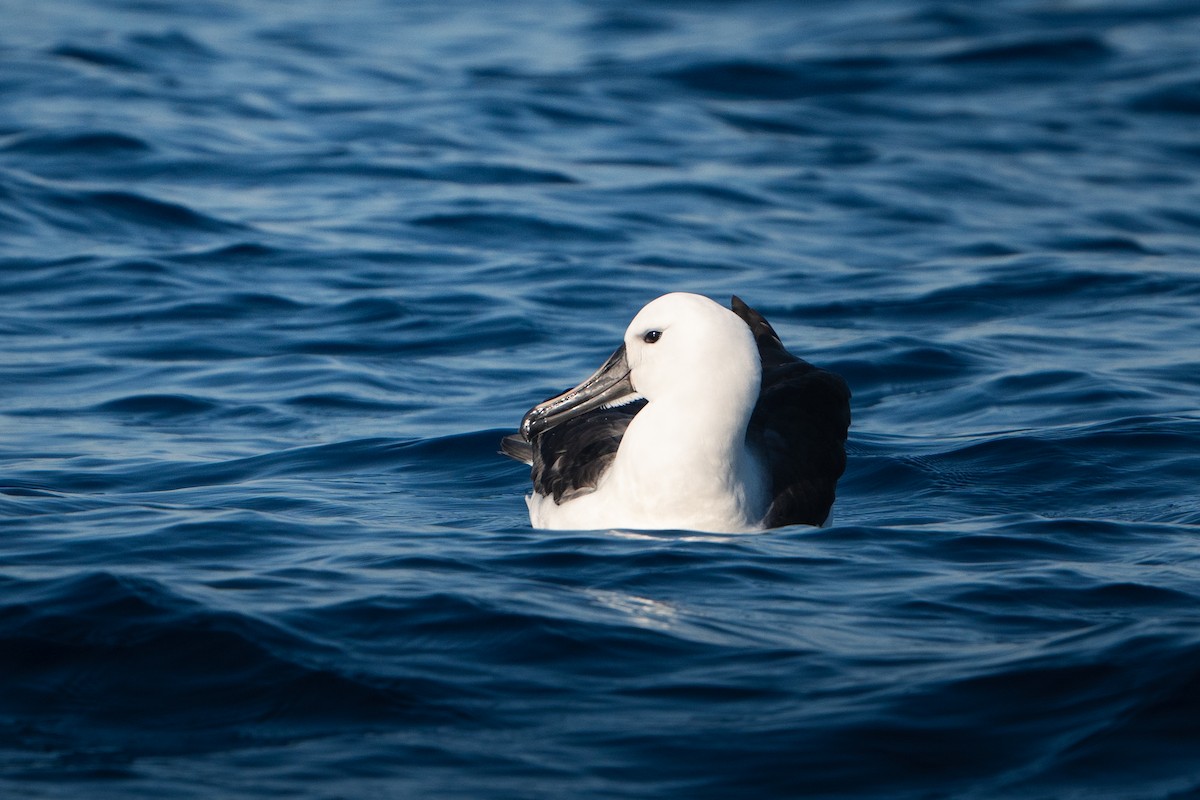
[(652, 336)]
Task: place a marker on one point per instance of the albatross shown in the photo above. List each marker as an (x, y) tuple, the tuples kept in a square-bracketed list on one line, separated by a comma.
[(701, 420)]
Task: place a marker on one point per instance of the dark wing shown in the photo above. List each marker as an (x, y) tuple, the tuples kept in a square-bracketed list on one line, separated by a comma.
[(514, 446), (799, 425), (569, 458)]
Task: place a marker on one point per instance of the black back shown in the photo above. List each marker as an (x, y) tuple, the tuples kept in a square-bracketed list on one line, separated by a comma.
[(799, 427)]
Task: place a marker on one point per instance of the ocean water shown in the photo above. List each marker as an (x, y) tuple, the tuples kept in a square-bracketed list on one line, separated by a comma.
[(276, 277)]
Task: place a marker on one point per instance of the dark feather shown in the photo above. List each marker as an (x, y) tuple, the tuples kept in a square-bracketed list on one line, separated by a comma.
[(515, 446), (799, 427), (569, 459)]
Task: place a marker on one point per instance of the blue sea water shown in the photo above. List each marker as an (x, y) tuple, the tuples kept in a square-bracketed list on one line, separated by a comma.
[(276, 277)]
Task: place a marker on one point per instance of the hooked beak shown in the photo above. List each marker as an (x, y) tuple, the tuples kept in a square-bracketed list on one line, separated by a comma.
[(608, 386)]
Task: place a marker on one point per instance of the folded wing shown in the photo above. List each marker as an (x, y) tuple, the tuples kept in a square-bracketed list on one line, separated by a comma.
[(798, 427), (569, 458)]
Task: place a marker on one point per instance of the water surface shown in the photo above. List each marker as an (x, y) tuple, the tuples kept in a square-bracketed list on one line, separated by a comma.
[(276, 278)]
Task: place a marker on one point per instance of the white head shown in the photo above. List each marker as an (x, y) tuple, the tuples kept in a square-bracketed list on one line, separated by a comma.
[(682, 346), (688, 345)]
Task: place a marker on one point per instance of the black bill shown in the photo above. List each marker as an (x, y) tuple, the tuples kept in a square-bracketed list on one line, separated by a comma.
[(608, 386)]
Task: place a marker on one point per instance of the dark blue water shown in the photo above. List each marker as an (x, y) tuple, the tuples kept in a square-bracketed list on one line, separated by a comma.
[(275, 278)]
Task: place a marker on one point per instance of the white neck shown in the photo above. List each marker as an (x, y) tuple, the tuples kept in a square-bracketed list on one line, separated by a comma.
[(687, 461)]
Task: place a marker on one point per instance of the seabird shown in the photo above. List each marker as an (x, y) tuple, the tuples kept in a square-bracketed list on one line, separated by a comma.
[(700, 420)]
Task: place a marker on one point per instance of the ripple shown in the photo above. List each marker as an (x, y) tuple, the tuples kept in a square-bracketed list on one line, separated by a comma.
[(515, 227), (164, 405), (764, 80), (501, 174), (347, 402), (703, 192), (1102, 244), (136, 208), (1175, 98), (82, 654), (1081, 49), (97, 56), (90, 143)]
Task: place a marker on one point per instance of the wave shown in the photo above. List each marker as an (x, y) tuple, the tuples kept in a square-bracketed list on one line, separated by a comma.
[(85, 657), (1050, 51), (509, 226), (1127, 469), (782, 81), (84, 142), (104, 213), (277, 280)]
